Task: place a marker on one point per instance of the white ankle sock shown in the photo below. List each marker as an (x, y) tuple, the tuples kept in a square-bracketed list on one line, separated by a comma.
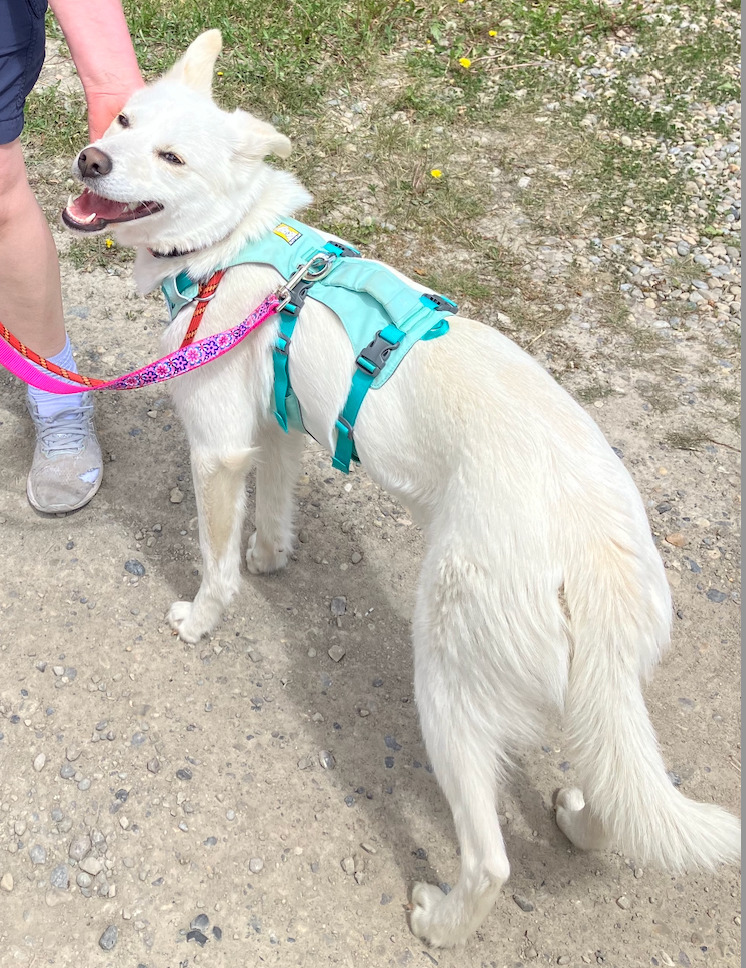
[(50, 404)]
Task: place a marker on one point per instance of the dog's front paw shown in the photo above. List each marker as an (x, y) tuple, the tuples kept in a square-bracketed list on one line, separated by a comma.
[(429, 918), (182, 619), (262, 558)]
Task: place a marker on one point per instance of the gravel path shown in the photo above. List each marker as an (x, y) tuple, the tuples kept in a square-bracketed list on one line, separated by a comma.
[(264, 796)]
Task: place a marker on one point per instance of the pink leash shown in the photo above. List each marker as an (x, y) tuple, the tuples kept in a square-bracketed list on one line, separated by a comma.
[(175, 364)]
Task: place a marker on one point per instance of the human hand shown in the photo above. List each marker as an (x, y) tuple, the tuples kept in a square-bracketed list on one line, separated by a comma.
[(103, 107), (104, 57)]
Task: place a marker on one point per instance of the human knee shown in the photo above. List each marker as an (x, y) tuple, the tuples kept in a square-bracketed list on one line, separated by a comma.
[(16, 197)]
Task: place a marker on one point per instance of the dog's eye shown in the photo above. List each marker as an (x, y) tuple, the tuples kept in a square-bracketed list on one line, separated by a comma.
[(170, 157), (123, 120)]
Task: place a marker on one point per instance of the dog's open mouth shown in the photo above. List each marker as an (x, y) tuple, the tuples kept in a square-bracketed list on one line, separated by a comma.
[(91, 213)]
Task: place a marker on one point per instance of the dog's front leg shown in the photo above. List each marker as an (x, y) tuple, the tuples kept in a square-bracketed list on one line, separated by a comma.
[(277, 462), (219, 484)]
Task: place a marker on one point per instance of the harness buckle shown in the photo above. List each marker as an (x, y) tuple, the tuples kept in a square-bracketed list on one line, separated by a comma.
[(440, 303), (375, 354)]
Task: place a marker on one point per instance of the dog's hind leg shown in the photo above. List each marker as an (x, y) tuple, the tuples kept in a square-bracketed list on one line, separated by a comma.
[(277, 463), (219, 484), (462, 725)]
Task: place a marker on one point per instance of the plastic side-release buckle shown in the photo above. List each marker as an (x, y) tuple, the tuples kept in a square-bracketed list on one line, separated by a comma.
[(375, 354)]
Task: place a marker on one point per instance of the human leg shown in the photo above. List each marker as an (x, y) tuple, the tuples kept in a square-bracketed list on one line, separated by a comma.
[(66, 469)]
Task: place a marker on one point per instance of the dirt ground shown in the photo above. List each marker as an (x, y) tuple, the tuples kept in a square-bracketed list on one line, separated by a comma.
[(284, 796)]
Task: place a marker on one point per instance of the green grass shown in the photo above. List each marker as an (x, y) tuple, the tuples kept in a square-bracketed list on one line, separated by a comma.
[(432, 75), (55, 127)]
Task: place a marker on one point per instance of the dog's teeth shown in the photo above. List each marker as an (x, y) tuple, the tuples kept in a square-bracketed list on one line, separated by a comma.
[(89, 218)]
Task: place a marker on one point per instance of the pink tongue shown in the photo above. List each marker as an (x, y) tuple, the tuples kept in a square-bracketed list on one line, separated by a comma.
[(87, 203)]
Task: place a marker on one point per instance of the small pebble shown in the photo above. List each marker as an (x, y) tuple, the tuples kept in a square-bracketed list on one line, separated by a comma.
[(109, 938), (336, 653), (256, 864), (326, 760), (201, 922), (175, 497), (523, 903), (197, 936), (6, 882), (135, 567), (91, 865), (623, 903), (339, 605), (37, 854), (154, 765), (79, 847), (60, 877)]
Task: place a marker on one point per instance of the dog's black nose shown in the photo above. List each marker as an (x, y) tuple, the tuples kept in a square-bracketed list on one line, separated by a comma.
[(92, 162)]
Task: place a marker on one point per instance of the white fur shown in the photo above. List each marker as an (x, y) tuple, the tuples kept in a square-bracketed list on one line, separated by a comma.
[(520, 499)]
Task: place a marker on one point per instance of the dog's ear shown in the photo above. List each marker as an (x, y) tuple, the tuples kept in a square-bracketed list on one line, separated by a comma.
[(257, 139), (195, 67)]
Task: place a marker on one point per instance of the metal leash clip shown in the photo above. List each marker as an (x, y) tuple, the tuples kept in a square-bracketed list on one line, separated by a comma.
[(312, 271)]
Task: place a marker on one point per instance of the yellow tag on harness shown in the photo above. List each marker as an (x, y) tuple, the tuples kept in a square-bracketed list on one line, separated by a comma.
[(287, 232)]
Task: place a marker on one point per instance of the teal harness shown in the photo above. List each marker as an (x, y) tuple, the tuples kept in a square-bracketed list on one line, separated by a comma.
[(383, 316)]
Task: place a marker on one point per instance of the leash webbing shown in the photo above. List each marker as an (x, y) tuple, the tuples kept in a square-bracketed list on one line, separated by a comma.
[(29, 354), (15, 357)]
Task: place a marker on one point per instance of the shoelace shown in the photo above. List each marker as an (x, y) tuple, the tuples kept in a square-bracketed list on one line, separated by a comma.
[(66, 432)]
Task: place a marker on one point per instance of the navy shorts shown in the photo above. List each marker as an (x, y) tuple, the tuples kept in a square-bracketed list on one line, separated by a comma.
[(21, 58)]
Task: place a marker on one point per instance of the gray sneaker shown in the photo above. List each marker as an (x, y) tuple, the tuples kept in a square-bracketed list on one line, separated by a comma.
[(67, 467)]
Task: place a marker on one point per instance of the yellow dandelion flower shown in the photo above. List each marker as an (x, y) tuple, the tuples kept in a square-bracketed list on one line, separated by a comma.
[(436, 172), (464, 62), (109, 243), (493, 33), (220, 73)]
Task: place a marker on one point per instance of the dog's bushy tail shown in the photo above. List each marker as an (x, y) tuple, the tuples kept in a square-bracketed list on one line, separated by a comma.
[(620, 611)]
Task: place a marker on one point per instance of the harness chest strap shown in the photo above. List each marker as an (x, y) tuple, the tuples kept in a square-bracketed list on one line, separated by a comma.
[(205, 293)]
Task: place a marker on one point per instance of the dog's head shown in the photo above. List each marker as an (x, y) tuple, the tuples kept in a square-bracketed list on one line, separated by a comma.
[(173, 169)]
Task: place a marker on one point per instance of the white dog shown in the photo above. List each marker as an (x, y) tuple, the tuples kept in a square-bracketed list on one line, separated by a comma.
[(541, 586)]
